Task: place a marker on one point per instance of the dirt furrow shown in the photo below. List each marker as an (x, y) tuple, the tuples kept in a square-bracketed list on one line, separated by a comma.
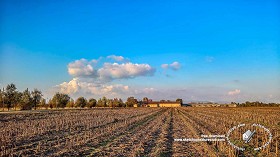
[(196, 131), (180, 131), (131, 140)]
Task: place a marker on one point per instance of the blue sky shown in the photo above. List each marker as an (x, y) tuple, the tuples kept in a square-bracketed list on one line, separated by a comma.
[(225, 51)]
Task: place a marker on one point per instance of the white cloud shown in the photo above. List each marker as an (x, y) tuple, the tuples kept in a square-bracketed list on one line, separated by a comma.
[(175, 66), (94, 78), (108, 71), (77, 86), (118, 58), (234, 92), (81, 67), (69, 87), (164, 66), (111, 71)]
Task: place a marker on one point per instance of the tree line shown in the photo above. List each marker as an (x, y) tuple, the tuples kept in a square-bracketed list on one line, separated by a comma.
[(10, 97), (256, 104)]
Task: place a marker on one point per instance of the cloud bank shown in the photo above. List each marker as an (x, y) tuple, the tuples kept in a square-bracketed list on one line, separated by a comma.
[(109, 71), (97, 77), (81, 67)]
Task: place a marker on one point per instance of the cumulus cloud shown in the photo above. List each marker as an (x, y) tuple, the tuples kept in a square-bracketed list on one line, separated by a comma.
[(94, 77), (81, 67), (81, 86), (174, 66), (124, 70), (234, 92), (108, 71), (69, 87), (164, 66), (118, 58)]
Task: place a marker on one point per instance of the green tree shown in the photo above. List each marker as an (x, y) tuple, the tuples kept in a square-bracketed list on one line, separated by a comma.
[(110, 103), (26, 100), (131, 101), (18, 96), (179, 100), (121, 103), (117, 102), (81, 102), (10, 95), (60, 100), (104, 101), (99, 103), (2, 97), (43, 103), (50, 104), (36, 96), (91, 103), (145, 100), (71, 103)]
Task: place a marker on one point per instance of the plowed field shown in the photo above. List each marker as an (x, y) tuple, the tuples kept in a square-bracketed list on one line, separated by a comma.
[(133, 132)]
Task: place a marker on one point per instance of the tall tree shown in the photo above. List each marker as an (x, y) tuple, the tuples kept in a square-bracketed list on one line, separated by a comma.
[(91, 103), (99, 103), (43, 103), (145, 100), (131, 101), (36, 96), (179, 100), (26, 100), (104, 101), (60, 100), (110, 103), (18, 96), (50, 104), (2, 97), (121, 103), (81, 102), (116, 102), (10, 95), (71, 103)]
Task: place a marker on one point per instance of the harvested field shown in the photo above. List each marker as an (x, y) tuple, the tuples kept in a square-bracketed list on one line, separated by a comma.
[(133, 131)]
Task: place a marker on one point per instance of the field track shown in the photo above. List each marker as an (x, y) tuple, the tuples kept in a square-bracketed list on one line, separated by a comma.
[(131, 131)]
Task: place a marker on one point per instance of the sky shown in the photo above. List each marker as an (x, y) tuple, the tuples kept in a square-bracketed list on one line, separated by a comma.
[(219, 51)]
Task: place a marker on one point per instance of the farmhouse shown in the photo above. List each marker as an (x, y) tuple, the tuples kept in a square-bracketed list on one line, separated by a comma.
[(164, 104)]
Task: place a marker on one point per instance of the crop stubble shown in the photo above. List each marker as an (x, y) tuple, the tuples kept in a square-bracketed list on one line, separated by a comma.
[(130, 131)]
